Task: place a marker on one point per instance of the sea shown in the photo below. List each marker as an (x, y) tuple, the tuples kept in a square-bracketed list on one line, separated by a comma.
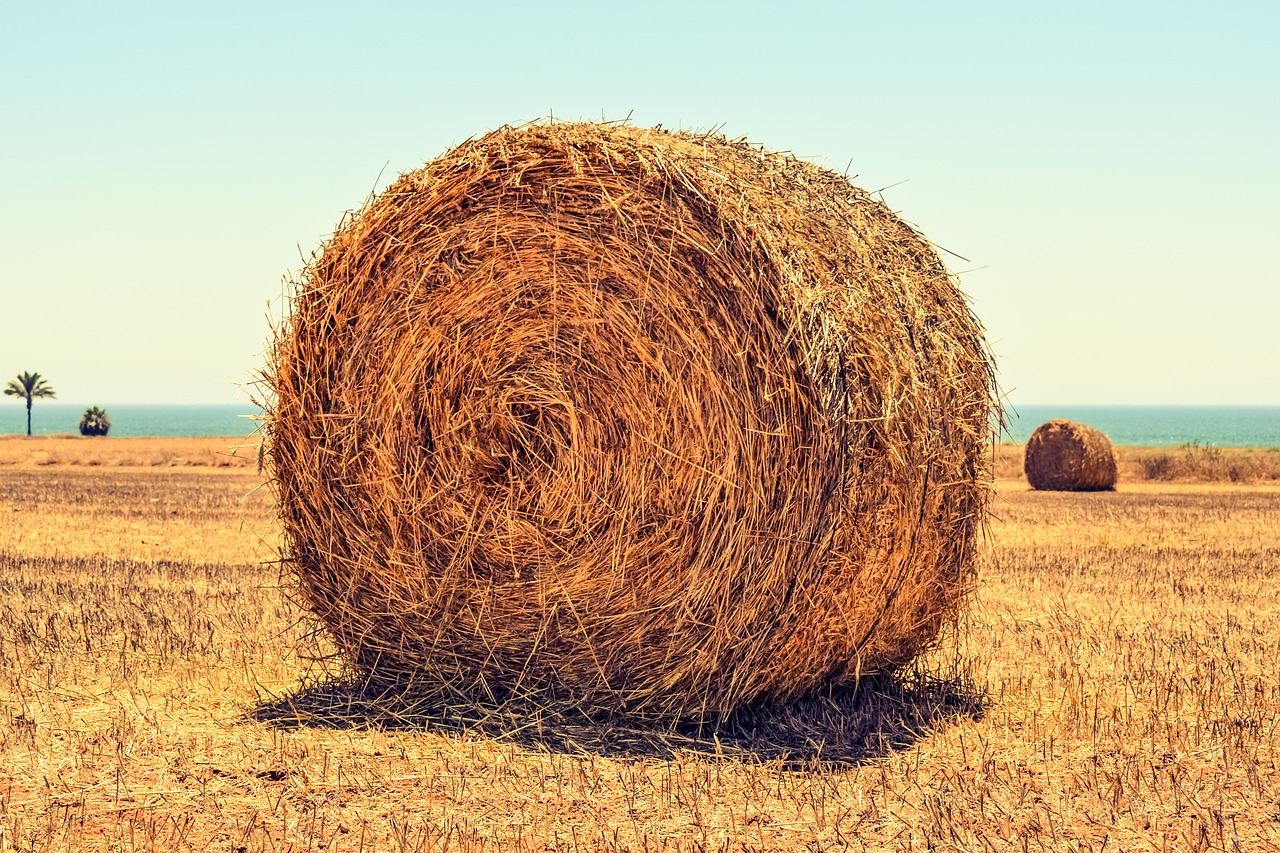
[(1150, 426), (1157, 426), (131, 420)]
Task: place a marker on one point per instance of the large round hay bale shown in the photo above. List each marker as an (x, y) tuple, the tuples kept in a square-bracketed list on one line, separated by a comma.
[(629, 419), (1064, 456)]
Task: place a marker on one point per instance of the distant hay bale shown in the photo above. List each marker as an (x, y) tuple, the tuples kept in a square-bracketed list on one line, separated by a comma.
[(1065, 456), (631, 420)]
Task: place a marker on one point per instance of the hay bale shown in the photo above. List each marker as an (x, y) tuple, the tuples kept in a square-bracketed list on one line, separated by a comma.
[(1064, 456), (628, 419)]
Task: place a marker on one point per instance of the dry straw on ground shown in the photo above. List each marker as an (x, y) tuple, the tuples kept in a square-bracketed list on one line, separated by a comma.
[(629, 419), (1064, 456)]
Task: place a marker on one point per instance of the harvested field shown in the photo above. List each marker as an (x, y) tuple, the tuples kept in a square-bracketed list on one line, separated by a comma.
[(1113, 685)]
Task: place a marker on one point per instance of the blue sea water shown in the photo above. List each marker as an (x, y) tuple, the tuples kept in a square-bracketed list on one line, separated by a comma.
[(130, 420), (1158, 426), (1154, 426)]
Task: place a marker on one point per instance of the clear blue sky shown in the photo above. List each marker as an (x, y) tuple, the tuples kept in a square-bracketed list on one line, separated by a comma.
[(1108, 171)]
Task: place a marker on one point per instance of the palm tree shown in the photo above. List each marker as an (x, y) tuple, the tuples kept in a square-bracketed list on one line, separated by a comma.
[(31, 386), (94, 421)]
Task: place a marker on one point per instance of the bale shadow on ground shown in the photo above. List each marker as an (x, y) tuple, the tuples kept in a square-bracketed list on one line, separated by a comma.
[(841, 727)]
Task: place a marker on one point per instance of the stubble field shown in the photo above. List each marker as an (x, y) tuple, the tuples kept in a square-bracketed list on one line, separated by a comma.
[(1113, 685)]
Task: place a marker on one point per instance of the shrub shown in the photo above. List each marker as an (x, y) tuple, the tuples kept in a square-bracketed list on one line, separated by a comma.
[(94, 421)]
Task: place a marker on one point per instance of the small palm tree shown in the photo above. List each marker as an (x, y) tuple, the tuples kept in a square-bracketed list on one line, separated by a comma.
[(31, 386), (94, 421)]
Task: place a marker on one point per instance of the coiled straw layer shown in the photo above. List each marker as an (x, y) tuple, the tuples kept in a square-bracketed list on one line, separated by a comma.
[(631, 420)]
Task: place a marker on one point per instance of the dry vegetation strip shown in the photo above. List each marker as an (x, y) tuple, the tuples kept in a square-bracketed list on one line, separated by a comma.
[(43, 451), (1194, 462), (1115, 684)]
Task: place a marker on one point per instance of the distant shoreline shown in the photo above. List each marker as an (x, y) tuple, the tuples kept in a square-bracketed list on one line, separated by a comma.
[(137, 420), (1157, 426), (1129, 425)]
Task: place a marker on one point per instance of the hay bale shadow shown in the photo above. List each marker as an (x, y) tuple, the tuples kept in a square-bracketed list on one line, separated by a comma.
[(841, 727)]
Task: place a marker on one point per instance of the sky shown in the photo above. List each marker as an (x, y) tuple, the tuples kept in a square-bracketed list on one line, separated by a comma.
[(1102, 176)]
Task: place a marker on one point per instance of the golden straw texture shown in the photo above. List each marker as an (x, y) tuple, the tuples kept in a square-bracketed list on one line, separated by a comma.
[(631, 420), (1064, 456)]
